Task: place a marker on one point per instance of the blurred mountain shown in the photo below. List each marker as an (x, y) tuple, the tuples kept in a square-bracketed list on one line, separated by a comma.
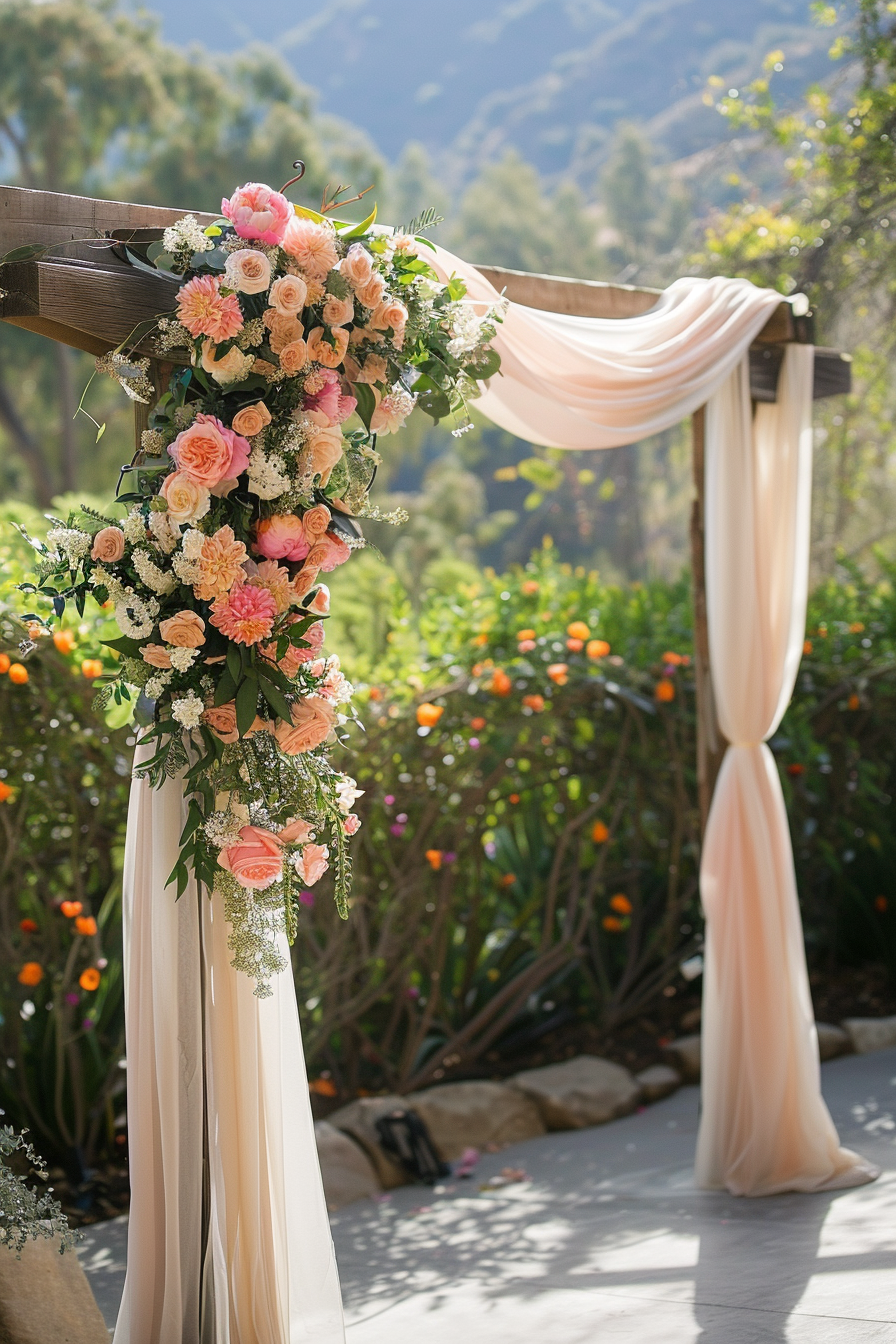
[(551, 78)]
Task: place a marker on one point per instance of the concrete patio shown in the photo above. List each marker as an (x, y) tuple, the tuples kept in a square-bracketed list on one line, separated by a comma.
[(608, 1239)]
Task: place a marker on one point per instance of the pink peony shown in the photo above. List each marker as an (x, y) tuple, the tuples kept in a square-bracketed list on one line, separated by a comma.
[(205, 311), (210, 452), (312, 864), (312, 246), (258, 212), (326, 400), (256, 860), (245, 614), (281, 537)]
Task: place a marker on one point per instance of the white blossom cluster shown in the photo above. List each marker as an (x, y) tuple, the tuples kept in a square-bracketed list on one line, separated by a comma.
[(348, 793), (69, 542), (165, 532), (187, 235), (156, 684), (155, 579), (181, 659), (136, 615), (188, 710), (267, 474), (222, 829)]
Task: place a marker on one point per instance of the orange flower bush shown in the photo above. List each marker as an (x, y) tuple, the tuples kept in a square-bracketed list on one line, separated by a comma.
[(90, 979), (578, 630), (434, 859), (597, 648), (559, 673), (86, 924), (501, 684), (91, 668), (18, 674), (612, 924), (64, 640), (621, 904), (664, 691), (5, 662), (71, 908), (535, 703), (31, 974), (428, 715), (6, 791), (600, 833)]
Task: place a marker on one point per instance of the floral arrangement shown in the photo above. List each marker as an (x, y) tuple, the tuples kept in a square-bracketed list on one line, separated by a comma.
[(295, 341)]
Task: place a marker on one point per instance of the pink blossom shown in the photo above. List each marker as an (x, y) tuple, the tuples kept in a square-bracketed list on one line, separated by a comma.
[(205, 311), (256, 860), (312, 863), (312, 246), (281, 537), (327, 399), (296, 832), (210, 452), (258, 212), (328, 552), (351, 824), (245, 614)]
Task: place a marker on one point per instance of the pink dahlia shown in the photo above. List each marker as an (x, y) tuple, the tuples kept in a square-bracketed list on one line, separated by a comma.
[(258, 212), (245, 614), (205, 311)]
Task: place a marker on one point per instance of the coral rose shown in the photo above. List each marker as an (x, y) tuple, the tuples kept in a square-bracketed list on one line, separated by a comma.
[(316, 521), (312, 722), (210, 452), (281, 537), (296, 832), (232, 367), (337, 312), (187, 500), (288, 295), (222, 721), (284, 328), (205, 311), (293, 357), (256, 860), (247, 271), (251, 420), (389, 315), (108, 545), (357, 265), (312, 246), (294, 658), (156, 655), (186, 630), (258, 212), (312, 863), (328, 351), (327, 553), (320, 603)]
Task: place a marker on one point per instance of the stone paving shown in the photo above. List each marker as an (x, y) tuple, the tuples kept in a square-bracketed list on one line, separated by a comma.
[(608, 1240)]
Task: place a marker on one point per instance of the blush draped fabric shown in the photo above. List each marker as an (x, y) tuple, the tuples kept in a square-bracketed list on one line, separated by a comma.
[(217, 1093), (578, 382)]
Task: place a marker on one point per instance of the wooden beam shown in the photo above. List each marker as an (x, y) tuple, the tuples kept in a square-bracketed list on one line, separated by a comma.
[(580, 298), (71, 222)]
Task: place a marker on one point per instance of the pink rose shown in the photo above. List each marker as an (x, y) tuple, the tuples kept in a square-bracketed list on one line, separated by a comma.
[(328, 351), (288, 295), (312, 864), (247, 271), (357, 265), (210, 452), (258, 212), (352, 824), (312, 722), (205, 311), (186, 498), (108, 545), (294, 658), (337, 312), (327, 399), (256, 860), (296, 832), (281, 537)]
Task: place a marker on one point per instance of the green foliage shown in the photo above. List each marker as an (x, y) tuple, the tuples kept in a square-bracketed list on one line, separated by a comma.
[(24, 1212)]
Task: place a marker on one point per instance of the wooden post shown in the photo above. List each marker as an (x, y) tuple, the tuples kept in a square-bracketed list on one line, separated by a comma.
[(710, 742)]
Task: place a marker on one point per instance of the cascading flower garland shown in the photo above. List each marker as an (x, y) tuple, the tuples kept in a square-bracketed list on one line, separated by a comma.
[(289, 329)]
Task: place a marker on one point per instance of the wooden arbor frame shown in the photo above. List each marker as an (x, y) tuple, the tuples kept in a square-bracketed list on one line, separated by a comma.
[(82, 294)]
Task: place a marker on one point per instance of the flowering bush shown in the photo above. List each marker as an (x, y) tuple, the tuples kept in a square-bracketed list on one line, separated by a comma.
[(247, 491)]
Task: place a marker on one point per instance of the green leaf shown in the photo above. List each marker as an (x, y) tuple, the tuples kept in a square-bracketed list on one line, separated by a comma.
[(360, 229), (123, 644), (276, 699), (246, 704), (485, 366), (366, 401), (226, 688), (305, 212), (234, 663)]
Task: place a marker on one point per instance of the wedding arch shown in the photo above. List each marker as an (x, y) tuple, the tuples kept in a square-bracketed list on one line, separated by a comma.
[(228, 1238)]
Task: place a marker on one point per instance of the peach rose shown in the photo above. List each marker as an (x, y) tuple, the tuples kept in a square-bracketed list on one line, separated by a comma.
[(222, 721), (316, 521), (256, 860), (325, 446), (327, 553), (187, 500), (296, 832), (247, 271), (156, 655), (321, 349), (304, 581), (293, 357), (288, 295), (312, 722), (390, 314), (352, 369), (360, 334), (370, 294), (357, 265), (320, 603), (281, 537), (108, 545), (312, 863), (230, 368), (284, 329), (375, 370), (210, 452), (251, 420), (338, 311), (185, 630)]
